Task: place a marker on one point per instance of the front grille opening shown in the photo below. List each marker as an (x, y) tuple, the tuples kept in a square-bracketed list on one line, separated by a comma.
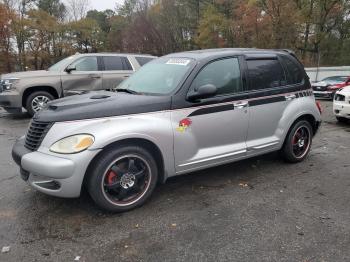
[(36, 133)]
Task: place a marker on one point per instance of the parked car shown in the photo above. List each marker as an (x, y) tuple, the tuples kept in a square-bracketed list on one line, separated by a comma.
[(83, 72), (341, 104), (328, 86), (179, 113)]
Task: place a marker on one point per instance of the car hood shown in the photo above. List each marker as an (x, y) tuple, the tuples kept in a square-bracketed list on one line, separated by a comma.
[(345, 91), (321, 83), (101, 104), (39, 73)]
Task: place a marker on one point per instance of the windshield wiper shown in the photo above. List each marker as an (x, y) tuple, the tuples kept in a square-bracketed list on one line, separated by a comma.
[(125, 90)]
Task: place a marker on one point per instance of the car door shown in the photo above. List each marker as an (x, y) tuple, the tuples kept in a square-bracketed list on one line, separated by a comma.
[(213, 130), (116, 70), (269, 98), (85, 76)]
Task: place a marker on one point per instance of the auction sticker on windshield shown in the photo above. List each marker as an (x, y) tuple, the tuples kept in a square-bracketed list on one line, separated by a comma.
[(178, 61)]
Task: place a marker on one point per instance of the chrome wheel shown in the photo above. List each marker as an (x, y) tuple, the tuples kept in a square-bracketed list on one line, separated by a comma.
[(39, 103), (126, 180), (301, 141)]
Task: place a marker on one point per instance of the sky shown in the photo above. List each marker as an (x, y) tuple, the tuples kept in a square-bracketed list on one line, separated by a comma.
[(102, 5)]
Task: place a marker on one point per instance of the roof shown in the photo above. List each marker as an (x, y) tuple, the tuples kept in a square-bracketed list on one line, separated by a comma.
[(207, 53), (112, 54)]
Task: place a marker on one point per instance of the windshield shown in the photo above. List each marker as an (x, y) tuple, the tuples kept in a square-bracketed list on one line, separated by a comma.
[(335, 79), (161, 76), (61, 65)]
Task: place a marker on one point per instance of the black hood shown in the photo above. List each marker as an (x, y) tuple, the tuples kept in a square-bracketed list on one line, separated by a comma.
[(101, 104)]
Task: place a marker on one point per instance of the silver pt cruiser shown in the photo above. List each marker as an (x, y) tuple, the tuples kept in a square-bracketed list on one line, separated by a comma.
[(179, 113)]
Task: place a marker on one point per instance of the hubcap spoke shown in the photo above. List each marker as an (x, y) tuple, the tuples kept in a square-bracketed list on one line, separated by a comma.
[(129, 180), (300, 141)]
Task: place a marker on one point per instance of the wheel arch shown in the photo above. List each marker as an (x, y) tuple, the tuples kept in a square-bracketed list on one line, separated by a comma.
[(142, 142), (32, 89), (306, 116)]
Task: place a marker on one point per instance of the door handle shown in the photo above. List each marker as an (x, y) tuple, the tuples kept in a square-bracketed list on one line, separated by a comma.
[(95, 76), (125, 76), (240, 105), (290, 97)]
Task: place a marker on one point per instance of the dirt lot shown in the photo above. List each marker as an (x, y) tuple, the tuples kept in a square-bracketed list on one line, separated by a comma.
[(257, 210)]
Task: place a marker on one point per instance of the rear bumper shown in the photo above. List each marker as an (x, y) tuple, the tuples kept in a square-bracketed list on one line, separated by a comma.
[(341, 109), (52, 174), (11, 101)]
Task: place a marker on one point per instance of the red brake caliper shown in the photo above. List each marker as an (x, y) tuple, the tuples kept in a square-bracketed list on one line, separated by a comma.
[(110, 177), (296, 138)]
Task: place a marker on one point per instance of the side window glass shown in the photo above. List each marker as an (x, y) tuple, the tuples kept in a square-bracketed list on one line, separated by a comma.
[(113, 63), (294, 73), (265, 73), (88, 63), (126, 64), (225, 74)]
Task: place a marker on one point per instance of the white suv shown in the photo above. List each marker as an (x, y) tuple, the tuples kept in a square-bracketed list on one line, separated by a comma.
[(341, 104)]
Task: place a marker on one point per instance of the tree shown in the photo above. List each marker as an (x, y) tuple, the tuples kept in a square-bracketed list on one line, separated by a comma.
[(53, 7)]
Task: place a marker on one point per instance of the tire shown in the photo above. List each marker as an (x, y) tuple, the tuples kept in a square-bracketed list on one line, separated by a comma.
[(295, 142), (341, 119), (110, 178), (40, 96)]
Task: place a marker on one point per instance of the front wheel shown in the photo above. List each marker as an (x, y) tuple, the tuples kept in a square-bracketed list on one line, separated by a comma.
[(37, 101), (298, 142), (122, 178)]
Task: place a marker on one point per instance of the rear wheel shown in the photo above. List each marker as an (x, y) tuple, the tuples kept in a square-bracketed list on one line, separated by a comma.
[(37, 101), (298, 142), (123, 178)]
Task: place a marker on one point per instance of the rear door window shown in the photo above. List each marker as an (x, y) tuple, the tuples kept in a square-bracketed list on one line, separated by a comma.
[(225, 74), (265, 73), (142, 60), (116, 63), (294, 74)]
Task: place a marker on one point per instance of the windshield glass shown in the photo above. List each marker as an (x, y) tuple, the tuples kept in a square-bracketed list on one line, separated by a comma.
[(335, 79), (61, 65), (161, 76)]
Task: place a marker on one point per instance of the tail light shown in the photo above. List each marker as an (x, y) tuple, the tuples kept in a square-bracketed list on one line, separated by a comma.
[(318, 104)]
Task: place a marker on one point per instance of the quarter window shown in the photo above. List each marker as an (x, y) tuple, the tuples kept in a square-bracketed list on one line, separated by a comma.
[(265, 73), (88, 63), (224, 74), (294, 73)]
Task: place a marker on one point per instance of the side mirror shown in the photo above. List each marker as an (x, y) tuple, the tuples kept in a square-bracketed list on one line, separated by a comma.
[(70, 68), (202, 92)]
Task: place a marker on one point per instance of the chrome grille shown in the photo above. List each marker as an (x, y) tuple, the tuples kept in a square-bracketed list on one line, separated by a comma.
[(36, 133)]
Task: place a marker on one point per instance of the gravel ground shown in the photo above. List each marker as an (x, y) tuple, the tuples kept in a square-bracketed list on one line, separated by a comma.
[(255, 210)]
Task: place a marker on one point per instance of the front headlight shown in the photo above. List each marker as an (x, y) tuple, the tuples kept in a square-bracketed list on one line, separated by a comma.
[(7, 83), (72, 144)]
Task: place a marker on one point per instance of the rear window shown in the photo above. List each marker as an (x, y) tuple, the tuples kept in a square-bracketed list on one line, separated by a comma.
[(142, 60), (265, 73), (112, 63), (294, 74)]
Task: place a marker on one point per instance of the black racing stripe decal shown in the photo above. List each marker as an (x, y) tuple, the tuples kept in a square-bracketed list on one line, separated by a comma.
[(269, 100), (212, 109)]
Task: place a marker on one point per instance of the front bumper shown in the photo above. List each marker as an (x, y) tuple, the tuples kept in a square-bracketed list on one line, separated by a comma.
[(53, 174), (11, 101), (341, 109), (324, 94)]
